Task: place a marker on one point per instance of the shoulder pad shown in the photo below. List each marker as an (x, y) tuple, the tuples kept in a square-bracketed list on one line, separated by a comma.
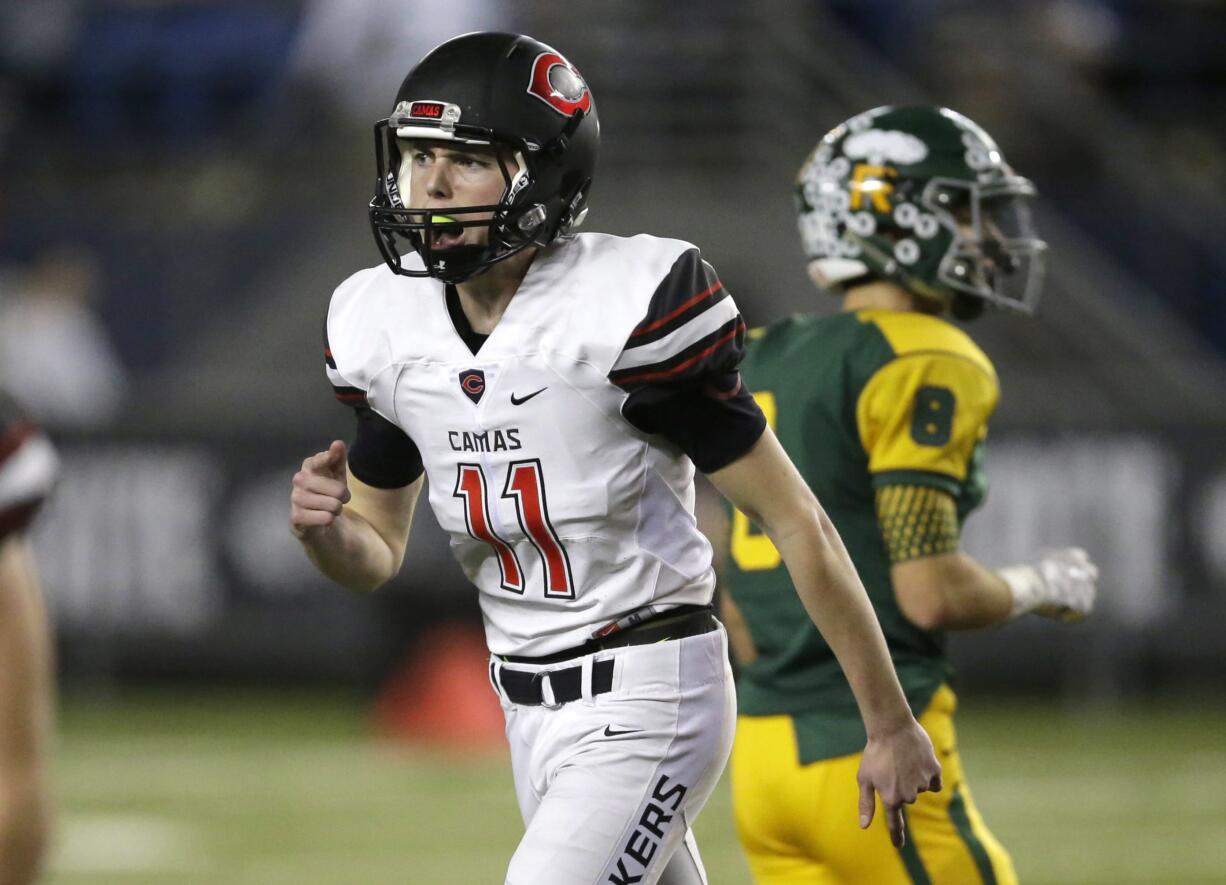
[(911, 332)]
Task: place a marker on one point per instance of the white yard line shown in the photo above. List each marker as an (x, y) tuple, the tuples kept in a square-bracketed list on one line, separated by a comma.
[(119, 843)]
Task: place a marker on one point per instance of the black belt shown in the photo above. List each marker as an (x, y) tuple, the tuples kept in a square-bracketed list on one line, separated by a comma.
[(526, 687), (684, 620)]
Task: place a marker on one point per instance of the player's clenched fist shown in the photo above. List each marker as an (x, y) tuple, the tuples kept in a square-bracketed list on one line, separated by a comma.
[(1060, 584), (320, 490)]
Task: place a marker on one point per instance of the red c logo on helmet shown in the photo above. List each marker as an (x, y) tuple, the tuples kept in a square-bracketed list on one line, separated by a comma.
[(555, 81)]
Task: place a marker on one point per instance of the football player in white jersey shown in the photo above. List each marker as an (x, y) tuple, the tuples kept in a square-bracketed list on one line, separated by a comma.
[(559, 390), (27, 471)]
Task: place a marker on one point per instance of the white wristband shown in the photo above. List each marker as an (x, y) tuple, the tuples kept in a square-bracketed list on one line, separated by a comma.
[(1027, 586), (1060, 584)]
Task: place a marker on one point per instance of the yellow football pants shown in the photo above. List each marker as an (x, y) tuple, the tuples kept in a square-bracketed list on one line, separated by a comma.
[(799, 825)]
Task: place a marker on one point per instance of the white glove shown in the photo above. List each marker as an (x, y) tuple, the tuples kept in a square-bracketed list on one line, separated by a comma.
[(1059, 585)]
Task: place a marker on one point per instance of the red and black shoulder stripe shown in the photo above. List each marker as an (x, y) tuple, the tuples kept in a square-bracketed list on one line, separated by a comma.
[(691, 330), (691, 288)]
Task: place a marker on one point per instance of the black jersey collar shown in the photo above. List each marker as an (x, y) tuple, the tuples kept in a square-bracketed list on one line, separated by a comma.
[(473, 340)]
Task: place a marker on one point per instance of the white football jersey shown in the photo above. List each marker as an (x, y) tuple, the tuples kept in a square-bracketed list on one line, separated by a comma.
[(563, 514)]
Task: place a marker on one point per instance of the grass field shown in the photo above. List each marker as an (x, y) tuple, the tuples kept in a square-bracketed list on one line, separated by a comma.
[(268, 789)]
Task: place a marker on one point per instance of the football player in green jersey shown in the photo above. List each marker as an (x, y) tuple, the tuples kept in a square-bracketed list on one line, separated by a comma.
[(908, 214)]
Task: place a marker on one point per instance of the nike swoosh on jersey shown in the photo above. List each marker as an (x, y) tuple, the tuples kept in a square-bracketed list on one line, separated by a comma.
[(609, 732), (520, 400)]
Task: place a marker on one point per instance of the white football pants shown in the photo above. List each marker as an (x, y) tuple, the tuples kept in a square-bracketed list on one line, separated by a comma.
[(610, 784)]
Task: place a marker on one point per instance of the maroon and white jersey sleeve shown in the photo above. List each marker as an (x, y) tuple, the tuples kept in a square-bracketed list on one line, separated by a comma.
[(679, 368), (690, 333), (352, 349), (381, 454), (28, 468)]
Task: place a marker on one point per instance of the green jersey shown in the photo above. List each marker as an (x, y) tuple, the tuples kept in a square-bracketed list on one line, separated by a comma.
[(859, 401)]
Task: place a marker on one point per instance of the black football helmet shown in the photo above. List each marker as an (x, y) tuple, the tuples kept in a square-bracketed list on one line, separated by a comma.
[(503, 90)]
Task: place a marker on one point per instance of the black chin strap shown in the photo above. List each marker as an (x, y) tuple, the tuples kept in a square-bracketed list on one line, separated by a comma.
[(457, 264)]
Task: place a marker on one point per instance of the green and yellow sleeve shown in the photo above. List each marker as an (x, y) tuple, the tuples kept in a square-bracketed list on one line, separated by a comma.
[(916, 521), (921, 416)]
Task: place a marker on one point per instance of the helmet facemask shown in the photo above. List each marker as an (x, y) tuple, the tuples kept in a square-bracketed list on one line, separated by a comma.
[(996, 253), (510, 228)]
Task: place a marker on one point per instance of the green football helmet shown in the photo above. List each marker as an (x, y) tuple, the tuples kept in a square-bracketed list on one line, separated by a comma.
[(921, 196)]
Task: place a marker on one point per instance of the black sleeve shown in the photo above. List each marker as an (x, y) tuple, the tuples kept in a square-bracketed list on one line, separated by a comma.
[(679, 368), (714, 424), (692, 330), (382, 455)]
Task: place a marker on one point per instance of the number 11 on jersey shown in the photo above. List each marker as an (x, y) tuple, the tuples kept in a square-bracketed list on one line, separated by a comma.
[(525, 486)]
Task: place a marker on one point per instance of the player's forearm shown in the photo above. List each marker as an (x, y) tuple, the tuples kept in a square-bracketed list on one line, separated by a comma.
[(351, 553), (950, 592), (837, 603), (766, 486)]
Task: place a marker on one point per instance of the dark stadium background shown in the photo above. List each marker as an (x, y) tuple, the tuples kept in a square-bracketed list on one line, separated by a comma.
[(182, 184)]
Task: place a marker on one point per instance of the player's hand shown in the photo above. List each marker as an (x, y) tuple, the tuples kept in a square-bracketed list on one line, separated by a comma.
[(1060, 585), (319, 491), (897, 767)]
